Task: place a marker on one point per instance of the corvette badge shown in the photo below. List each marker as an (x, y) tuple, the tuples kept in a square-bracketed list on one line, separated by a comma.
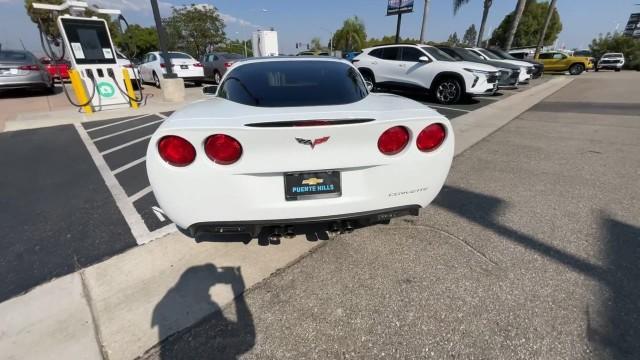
[(314, 142)]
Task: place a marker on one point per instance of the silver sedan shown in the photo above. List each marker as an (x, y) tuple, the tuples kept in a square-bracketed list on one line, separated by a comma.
[(20, 69)]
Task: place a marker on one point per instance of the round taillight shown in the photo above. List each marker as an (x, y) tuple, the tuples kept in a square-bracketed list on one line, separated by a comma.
[(223, 149), (176, 150), (393, 140), (431, 137)]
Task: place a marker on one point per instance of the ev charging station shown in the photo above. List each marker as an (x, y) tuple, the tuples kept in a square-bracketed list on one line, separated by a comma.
[(98, 81)]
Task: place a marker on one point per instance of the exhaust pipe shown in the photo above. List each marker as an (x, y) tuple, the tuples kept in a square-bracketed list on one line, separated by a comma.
[(335, 228), (275, 237), (348, 227), (289, 233)]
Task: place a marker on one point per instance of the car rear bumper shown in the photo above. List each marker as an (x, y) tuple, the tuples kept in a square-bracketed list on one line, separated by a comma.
[(23, 85), (192, 78), (342, 222), (610, 66)]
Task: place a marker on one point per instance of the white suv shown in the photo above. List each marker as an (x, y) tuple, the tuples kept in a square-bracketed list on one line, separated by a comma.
[(526, 69), (427, 68), (613, 61)]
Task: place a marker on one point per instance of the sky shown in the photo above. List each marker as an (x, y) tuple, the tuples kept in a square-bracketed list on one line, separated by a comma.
[(301, 20)]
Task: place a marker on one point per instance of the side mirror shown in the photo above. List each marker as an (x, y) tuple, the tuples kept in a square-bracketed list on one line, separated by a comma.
[(369, 85), (423, 59), (210, 90)]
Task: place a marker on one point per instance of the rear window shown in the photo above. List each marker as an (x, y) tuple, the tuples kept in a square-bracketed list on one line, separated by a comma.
[(489, 54), (232, 56), (437, 54), (177, 55), (293, 83), (14, 56)]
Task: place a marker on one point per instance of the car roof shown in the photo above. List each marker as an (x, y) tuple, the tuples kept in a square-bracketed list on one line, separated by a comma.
[(399, 44), (290, 58)]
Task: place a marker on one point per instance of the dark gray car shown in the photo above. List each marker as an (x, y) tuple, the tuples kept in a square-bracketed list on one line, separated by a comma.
[(509, 74), (20, 69), (216, 64)]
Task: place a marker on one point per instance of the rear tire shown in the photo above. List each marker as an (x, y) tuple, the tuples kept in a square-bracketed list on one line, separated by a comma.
[(217, 77), (617, 70), (156, 80), (448, 90), (597, 69), (576, 69), (369, 77)]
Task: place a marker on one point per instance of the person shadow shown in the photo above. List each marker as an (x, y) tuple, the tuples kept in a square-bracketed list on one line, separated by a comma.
[(188, 302)]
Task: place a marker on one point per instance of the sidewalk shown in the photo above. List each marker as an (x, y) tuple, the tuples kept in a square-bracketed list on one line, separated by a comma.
[(123, 306), (26, 110)]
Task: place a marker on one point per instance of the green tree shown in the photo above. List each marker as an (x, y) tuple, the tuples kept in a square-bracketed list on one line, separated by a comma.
[(618, 43), (237, 47), (470, 36), (391, 39), (137, 40), (453, 39), (352, 36), (193, 28), (457, 4), (316, 44), (530, 26), (515, 20), (47, 17)]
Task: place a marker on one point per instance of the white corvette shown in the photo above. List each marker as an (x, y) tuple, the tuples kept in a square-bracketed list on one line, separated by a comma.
[(288, 142)]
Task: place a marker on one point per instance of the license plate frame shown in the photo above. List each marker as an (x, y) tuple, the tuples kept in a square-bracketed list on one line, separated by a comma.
[(308, 185), (184, 67)]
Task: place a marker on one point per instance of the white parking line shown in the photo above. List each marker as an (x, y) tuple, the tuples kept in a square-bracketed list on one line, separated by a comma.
[(129, 165), (131, 216), (447, 108), (124, 145), (116, 123), (133, 198), (128, 130)]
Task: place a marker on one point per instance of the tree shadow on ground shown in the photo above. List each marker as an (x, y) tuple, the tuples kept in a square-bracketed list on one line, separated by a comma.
[(214, 336), (617, 332)]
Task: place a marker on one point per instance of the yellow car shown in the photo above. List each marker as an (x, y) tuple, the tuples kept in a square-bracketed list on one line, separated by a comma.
[(557, 61)]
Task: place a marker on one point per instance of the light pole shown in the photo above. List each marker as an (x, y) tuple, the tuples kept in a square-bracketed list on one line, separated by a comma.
[(330, 40), (244, 43), (425, 15), (162, 39)]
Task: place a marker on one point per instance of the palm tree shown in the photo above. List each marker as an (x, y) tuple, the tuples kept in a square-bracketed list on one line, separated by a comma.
[(514, 23), (457, 4), (552, 7), (352, 35)]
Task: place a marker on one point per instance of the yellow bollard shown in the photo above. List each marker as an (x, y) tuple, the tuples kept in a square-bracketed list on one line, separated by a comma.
[(129, 86), (78, 89)]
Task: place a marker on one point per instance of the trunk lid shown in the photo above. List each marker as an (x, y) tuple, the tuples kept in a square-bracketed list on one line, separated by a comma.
[(276, 140)]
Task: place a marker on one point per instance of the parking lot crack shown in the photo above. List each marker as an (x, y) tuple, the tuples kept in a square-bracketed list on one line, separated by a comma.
[(94, 318), (458, 239)]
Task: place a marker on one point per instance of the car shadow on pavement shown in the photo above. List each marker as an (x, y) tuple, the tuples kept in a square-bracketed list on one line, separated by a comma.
[(613, 328), (190, 302), (28, 93)]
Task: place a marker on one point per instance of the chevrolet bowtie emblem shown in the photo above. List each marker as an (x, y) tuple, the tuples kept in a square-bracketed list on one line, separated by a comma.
[(314, 142), (312, 181)]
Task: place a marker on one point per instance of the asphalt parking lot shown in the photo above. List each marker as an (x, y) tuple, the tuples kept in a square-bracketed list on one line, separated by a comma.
[(103, 194), (527, 253), (530, 252)]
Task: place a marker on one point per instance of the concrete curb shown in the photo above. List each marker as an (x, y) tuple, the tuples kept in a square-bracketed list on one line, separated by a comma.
[(477, 125)]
